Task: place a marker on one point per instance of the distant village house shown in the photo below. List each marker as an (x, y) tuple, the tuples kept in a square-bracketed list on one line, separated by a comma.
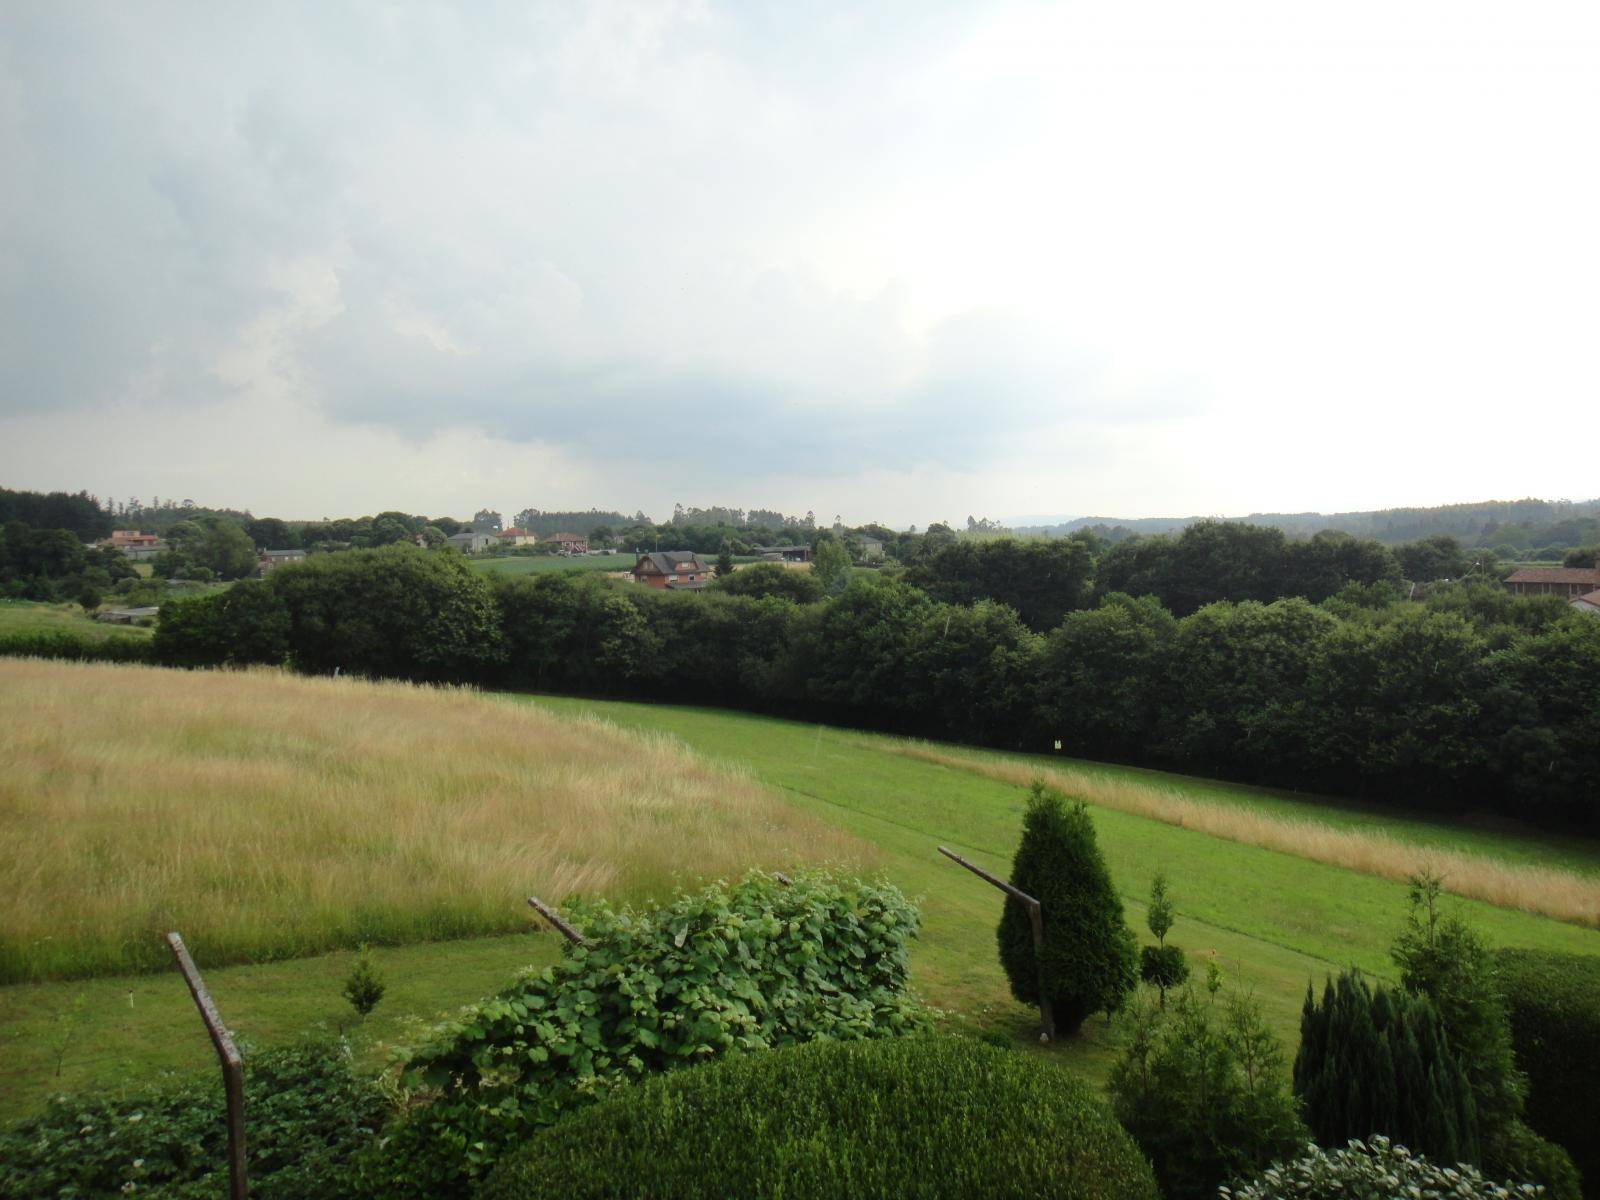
[(568, 543), (469, 541), (271, 560), (1571, 582), (1588, 603), (871, 548), (515, 537), (675, 570), (137, 546)]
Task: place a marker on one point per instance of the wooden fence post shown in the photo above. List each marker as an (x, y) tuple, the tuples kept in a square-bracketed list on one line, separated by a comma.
[(232, 1066), (1047, 1016), (550, 914)]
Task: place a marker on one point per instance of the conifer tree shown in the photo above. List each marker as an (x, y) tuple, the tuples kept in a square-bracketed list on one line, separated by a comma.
[(1376, 1061), (1089, 961), (1161, 965)]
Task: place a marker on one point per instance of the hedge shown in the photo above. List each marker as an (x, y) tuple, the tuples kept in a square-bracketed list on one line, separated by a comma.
[(75, 646), (1554, 1004), (922, 1117)]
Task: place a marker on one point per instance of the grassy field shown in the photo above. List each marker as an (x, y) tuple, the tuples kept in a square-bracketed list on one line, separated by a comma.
[(530, 565), (28, 616), (271, 816), (1274, 920)]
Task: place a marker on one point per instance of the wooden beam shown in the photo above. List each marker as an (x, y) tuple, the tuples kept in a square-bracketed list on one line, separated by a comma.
[(1047, 1016), (550, 914), (232, 1065)]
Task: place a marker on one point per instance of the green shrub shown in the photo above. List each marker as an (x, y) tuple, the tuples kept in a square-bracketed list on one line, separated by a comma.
[(1201, 1087), (924, 1116), (1377, 1062), (1514, 1151), (1161, 966), (306, 1114), (745, 967), (1554, 1007), (1376, 1169), (365, 986), (74, 646), (1089, 962)]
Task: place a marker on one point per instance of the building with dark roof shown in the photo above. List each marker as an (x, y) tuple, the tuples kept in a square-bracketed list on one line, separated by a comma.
[(680, 570), (1570, 582)]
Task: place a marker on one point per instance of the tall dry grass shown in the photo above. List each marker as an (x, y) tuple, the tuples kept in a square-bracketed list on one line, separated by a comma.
[(1548, 891), (266, 815)]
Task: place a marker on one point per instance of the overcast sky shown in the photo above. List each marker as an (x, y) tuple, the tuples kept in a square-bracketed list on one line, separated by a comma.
[(897, 261)]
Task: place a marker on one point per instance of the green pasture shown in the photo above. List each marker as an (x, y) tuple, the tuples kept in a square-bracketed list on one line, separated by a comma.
[(29, 617), (1273, 921)]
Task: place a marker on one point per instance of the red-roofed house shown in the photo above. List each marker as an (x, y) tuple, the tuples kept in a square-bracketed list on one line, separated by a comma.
[(1589, 603), (514, 537), (1570, 582), (568, 543)]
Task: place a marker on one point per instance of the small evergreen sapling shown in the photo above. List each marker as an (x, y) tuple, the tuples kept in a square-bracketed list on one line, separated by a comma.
[(1162, 966), (365, 986), (1090, 959)]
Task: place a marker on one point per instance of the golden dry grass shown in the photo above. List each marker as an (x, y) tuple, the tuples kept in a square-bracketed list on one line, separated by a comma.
[(266, 815), (1548, 891)]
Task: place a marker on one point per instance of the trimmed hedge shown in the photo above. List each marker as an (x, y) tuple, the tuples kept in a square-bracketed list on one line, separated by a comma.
[(76, 647), (1554, 1004), (920, 1117)]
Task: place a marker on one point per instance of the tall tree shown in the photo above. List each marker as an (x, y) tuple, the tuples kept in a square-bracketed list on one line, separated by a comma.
[(1089, 960)]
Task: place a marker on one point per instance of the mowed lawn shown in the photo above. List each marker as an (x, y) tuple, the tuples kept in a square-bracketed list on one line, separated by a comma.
[(1272, 920), (29, 616)]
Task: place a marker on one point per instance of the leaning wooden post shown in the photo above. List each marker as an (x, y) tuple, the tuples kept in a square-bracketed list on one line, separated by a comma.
[(550, 914), (232, 1066), (1047, 1016)]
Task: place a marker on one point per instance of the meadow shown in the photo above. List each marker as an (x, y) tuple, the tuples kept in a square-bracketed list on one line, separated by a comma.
[(1274, 920), (271, 816), (30, 617), (518, 564)]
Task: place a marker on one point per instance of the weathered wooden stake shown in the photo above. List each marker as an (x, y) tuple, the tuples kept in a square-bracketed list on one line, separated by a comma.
[(1047, 1016), (550, 914), (232, 1066)]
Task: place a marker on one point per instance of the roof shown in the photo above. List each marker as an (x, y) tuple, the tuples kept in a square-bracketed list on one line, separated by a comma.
[(669, 561), (566, 537), (1592, 598), (513, 533), (1555, 575), (132, 612)]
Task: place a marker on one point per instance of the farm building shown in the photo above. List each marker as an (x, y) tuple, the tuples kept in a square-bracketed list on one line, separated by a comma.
[(469, 541), (799, 554), (1571, 582), (515, 537), (678, 570), (1588, 603), (272, 559)]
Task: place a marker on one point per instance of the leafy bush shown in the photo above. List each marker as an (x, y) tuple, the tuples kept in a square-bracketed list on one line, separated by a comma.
[(1553, 1002), (1377, 1061), (1200, 1086), (745, 967), (1376, 1169), (1513, 1151), (1088, 964), (306, 1114), (925, 1116), (74, 646), (1161, 966)]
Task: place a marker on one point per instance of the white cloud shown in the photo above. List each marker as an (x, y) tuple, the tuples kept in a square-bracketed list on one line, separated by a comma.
[(897, 262)]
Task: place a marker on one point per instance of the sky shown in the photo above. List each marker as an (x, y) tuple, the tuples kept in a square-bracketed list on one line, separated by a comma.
[(900, 262)]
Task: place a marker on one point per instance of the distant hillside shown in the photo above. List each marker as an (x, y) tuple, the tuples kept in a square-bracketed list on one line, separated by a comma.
[(1529, 522)]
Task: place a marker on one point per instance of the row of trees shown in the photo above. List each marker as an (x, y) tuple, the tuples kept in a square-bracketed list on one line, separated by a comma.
[(1473, 699), (55, 565)]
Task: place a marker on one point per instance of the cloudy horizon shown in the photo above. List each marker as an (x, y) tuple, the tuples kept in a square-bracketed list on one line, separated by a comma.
[(903, 263)]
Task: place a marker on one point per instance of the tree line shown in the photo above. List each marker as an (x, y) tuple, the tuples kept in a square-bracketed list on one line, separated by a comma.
[(1470, 699)]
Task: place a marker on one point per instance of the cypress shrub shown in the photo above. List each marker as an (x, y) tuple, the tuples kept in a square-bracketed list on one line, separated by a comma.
[(1554, 1005), (1090, 958), (926, 1116), (1377, 1062)]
